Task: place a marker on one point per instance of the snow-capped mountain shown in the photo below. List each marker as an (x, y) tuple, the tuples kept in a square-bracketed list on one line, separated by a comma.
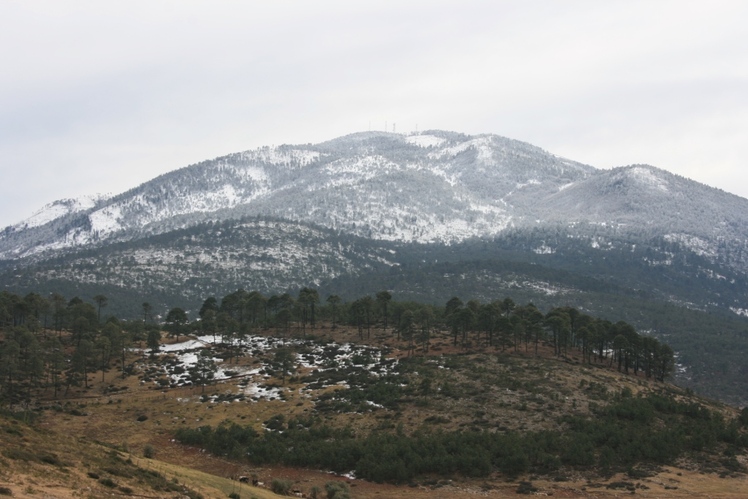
[(429, 187), (432, 187)]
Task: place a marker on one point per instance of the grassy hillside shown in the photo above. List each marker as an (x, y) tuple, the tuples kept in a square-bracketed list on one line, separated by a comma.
[(348, 394), (40, 459)]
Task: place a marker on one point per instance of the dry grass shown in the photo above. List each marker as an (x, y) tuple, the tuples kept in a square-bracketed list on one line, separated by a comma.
[(495, 390)]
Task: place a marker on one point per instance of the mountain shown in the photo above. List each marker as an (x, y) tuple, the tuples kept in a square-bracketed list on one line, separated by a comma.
[(432, 187), (438, 187), (427, 216)]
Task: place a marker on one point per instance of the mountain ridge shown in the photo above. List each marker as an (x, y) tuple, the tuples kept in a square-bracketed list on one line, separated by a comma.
[(435, 187), (263, 180), (432, 187)]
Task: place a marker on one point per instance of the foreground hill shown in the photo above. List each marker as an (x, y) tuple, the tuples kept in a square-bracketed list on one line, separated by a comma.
[(41, 462), (576, 429)]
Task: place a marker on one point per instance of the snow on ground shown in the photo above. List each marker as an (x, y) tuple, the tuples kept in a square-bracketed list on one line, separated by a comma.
[(647, 177), (314, 356), (184, 346), (698, 245), (106, 220), (739, 311), (424, 140), (58, 209)]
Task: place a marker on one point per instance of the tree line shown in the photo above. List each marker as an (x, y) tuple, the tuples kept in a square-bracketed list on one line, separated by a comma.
[(50, 344), (500, 324)]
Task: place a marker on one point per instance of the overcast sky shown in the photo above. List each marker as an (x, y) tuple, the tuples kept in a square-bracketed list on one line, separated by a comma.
[(99, 97)]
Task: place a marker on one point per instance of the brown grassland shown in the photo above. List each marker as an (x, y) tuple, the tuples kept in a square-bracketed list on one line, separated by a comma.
[(91, 442)]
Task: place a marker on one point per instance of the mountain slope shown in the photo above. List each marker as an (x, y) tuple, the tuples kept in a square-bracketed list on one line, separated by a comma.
[(187, 265), (432, 187), (384, 186)]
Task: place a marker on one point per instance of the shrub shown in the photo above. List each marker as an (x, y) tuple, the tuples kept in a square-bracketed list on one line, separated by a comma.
[(526, 488), (337, 490), (281, 486), (108, 482), (50, 459), (149, 451), (19, 455)]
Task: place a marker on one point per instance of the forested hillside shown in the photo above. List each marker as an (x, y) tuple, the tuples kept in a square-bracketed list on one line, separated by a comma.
[(37, 357), (380, 389)]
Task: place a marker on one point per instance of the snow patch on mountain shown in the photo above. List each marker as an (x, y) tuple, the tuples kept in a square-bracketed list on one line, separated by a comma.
[(255, 174), (425, 141), (739, 311), (281, 155), (224, 196), (544, 249), (698, 245), (59, 208), (647, 177), (489, 209), (106, 220), (350, 173), (482, 145), (532, 181)]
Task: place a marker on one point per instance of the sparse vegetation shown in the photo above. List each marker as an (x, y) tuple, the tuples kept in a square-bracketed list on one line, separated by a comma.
[(337, 490), (546, 404), (281, 486)]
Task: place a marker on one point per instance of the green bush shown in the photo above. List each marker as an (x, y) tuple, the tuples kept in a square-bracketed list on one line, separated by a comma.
[(337, 490), (108, 482), (655, 430), (526, 488), (281, 486)]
